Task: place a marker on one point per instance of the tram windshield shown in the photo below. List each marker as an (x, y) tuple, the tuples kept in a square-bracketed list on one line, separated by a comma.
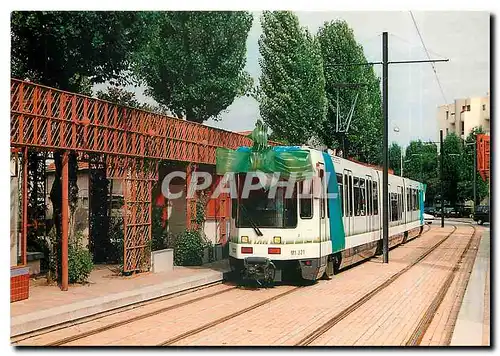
[(260, 210)]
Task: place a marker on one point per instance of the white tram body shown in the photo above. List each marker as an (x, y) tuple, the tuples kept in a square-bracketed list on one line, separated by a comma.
[(318, 234)]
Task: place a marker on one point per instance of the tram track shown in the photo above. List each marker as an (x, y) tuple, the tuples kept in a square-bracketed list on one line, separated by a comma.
[(418, 333), (16, 340), (329, 324), (219, 321), (305, 341), (226, 318)]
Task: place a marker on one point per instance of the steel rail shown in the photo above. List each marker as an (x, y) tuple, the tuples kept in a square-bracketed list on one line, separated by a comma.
[(226, 318), (418, 333), (311, 337), (19, 338)]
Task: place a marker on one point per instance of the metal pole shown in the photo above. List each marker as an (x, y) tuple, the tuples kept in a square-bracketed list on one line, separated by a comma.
[(24, 234), (474, 175), (421, 168), (64, 222), (442, 177), (385, 187), (402, 161)]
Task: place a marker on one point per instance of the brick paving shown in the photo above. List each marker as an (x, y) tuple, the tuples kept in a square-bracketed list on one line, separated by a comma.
[(387, 319), (441, 328), (157, 329), (390, 317), (66, 332), (103, 281), (304, 311)]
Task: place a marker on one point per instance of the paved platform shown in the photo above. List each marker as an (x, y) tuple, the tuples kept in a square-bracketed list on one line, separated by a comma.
[(472, 326), (48, 305)]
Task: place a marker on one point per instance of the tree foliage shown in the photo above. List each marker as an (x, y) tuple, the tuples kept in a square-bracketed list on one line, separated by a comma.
[(421, 164), (193, 61), (120, 96), (453, 167), (363, 140), (395, 158), (292, 86), (67, 49)]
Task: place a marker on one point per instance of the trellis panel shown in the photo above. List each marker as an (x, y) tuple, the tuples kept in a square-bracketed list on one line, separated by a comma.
[(52, 119)]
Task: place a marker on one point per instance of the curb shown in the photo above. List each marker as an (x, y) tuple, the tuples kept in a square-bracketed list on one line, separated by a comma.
[(469, 325)]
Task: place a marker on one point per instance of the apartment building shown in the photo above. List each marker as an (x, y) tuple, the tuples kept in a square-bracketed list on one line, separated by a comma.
[(463, 115)]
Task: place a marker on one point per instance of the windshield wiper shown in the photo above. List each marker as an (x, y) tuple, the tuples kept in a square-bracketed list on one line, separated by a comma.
[(254, 225)]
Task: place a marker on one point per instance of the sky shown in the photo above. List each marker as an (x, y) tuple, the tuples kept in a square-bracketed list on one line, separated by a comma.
[(414, 94)]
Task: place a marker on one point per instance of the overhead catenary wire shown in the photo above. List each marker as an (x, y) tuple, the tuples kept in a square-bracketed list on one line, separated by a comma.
[(428, 56), (412, 44)]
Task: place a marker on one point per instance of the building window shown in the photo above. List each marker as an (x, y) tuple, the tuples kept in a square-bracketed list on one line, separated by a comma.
[(463, 108), (484, 107), (447, 131), (468, 107), (463, 127), (447, 114)]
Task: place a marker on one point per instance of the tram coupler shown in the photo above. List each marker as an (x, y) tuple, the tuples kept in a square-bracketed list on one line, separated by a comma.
[(260, 269)]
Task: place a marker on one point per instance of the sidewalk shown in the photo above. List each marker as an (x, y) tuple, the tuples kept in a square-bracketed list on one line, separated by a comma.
[(48, 305), (472, 326)]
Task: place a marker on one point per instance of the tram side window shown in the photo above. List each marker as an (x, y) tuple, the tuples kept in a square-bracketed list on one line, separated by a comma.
[(394, 206), (418, 199), (400, 196), (414, 199), (351, 200), (369, 198), (322, 197), (362, 197), (306, 201), (357, 197), (375, 199), (341, 193), (346, 194)]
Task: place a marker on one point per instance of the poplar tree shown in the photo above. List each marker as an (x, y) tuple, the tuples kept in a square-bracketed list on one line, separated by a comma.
[(341, 56), (291, 91)]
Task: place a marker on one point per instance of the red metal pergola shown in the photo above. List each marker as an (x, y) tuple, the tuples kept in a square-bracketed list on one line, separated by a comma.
[(129, 141)]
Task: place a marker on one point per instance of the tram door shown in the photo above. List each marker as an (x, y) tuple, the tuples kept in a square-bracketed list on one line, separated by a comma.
[(322, 207), (369, 204), (348, 203), (323, 221)]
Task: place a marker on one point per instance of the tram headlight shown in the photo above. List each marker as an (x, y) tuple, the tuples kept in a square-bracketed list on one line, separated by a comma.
[(277, 239), (244, 239)]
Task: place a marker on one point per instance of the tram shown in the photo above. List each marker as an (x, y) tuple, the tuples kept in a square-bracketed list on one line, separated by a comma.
[(323, 224)]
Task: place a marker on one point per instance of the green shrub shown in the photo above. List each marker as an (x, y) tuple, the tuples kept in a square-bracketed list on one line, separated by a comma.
[(188, 250), (79, 261)]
